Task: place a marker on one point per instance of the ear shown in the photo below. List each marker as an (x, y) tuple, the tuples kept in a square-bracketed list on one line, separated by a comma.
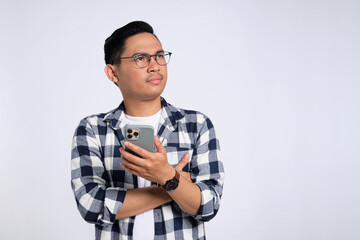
[(110, 71)]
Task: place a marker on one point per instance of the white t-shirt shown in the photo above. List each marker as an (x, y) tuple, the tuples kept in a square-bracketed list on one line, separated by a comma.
[(144, 222)]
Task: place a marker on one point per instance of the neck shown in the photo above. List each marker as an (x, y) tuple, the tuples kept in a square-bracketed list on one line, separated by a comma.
[(142, 108)]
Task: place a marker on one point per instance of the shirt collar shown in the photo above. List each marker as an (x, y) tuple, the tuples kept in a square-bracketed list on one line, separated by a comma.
[(116, 117), (170, 114)]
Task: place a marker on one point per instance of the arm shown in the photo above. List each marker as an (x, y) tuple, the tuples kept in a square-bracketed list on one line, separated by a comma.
[(201, 198), (141, 200), (97, 202), (207, 170), (187, 194), (154, 167), (144, 199)]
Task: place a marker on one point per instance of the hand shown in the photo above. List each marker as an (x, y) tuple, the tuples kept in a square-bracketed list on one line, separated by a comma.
[(181, 165), (152, 166)]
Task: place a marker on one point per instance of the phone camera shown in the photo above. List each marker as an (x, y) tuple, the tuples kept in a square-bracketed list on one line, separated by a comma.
[(132, 134)]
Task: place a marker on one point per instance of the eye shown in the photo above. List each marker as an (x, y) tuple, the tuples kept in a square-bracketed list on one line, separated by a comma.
[(160, 55), (140, 58)]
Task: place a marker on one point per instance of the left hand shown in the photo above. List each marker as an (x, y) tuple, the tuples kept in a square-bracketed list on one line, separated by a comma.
[(153, 166)]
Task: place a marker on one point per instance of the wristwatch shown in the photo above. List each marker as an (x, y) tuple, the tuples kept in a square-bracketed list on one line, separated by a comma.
[(173, 183)]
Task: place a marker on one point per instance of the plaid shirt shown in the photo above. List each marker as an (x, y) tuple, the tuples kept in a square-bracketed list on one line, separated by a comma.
[(100, 183)]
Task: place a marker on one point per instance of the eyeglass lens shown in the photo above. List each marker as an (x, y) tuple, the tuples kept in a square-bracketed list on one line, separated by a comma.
[(143, 60)]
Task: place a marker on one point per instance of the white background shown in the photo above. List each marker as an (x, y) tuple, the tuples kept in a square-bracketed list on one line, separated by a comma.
[(279, 79)]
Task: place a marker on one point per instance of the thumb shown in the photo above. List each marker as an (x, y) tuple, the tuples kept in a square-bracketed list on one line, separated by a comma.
[(183, 162)]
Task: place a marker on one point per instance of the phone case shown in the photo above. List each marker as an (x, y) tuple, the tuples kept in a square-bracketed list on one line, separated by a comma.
[(144, 139)]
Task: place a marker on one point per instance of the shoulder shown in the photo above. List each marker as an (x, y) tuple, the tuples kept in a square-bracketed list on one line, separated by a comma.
[(195, 116), (98, 120), (192, 118), (93, 120), (199, 127)]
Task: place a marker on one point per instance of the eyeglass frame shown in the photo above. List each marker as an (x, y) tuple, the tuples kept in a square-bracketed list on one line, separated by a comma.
[(150, 56)]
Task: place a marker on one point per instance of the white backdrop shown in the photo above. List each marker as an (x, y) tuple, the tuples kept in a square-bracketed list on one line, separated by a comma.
[(279, 79)]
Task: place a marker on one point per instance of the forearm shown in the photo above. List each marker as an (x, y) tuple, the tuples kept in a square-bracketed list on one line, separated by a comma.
[(187, 195), (140, 200), (155, 167)]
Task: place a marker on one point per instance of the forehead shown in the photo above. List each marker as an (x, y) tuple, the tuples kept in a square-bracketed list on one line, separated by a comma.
[(142, 43)]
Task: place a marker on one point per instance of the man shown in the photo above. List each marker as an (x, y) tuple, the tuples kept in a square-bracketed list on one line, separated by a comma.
[(168, 194)]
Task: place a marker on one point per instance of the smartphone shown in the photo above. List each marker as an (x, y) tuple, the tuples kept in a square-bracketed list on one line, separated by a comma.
[(140, 135)]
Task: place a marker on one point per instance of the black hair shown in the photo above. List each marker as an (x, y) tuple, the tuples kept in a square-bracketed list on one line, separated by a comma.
[(115, 44)]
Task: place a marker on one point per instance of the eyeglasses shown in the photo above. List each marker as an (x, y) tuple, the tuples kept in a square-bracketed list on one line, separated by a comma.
[(142, 60)]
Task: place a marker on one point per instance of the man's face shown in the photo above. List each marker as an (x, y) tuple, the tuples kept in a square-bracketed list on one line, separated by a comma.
[(141, 83)]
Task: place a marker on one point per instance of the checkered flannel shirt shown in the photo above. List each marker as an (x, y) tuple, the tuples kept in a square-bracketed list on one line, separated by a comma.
[(100, 183)]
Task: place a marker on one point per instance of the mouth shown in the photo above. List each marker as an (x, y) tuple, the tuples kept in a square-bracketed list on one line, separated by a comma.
[(155, 79)]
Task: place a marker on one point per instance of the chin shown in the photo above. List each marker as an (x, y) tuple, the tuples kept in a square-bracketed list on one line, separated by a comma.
[(151, 96)]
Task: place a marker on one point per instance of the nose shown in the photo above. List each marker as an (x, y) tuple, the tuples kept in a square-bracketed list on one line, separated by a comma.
[(153, 65)]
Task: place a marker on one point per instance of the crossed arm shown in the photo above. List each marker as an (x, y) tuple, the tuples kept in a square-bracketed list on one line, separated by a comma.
[(102, 204), (155, 167)]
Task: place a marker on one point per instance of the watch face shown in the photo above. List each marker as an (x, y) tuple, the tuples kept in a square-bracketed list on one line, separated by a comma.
[(171, 185)]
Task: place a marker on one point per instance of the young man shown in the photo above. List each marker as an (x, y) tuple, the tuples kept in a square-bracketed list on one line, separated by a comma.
[(168, 194)]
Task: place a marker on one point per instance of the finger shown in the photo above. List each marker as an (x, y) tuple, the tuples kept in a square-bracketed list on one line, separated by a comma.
[(136, 149), (131, 158), (129, 166), (128, 169), (159, 147), (183, 162)]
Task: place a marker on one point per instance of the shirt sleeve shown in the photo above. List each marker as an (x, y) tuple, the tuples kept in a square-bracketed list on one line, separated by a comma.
[(96, 200), (207, 170)]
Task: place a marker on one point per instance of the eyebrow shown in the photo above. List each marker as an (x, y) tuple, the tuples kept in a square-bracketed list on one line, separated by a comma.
[(160, 51)]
